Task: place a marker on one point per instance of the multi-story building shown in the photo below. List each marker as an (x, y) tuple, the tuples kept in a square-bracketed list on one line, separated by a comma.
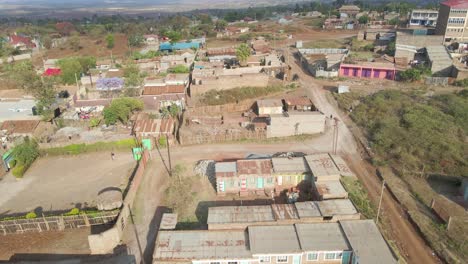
[(452, 21), (346, 242), (423, 17)]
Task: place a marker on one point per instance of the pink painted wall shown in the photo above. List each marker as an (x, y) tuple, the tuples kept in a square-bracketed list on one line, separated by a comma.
[(359, 72)]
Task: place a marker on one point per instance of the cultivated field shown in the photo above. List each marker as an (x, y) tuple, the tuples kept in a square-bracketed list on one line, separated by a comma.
[(61, 183)]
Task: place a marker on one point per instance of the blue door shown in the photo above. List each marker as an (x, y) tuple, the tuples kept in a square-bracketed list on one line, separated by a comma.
[(297, 260), (260, 183), (346, 257)]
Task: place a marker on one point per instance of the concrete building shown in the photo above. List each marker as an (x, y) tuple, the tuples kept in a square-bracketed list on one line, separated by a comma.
[(411, 47), (349, 10), (295, 123), (298, 104), (440, 61), (326, 167), (269, 106), (322, 62), (327, 190), (240, 217), (157, 97), (423, 17), (290, 172), (350, 241), (371, 70), (452, 21)]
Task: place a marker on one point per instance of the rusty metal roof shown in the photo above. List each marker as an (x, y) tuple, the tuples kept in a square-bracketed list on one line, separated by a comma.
[(307, 209), (342, 165), (284, 211), (302, 101), (163, 126), (166, 89), (201, 245), (254, 167)]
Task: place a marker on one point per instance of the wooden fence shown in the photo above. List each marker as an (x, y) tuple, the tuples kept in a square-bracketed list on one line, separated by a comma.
[(57, 222)]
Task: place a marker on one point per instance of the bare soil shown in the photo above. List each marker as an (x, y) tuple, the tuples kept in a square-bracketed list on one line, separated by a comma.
[(61, 183)]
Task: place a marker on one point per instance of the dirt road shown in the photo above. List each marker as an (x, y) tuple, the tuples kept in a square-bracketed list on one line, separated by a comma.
[(409, 242)]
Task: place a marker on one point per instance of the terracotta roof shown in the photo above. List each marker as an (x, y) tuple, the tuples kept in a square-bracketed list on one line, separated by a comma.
[(15, 39), (304, 101), (163, 126), (456, 3), (258, 167), (221, 51), (160, 90), (20, 126)]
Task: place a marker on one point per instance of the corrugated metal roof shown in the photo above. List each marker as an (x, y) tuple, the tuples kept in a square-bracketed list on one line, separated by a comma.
[(240, 214), (270, 103), (322, 165), (200, 245), (336, 207), (167, 89), (284, 211), (168, 221), (330, 188), (307, 209), (226, 169), (367, 242), (293, 165), (280, 239), (342, 165), (255, 167), (302, 101), (322, 237), (164, 126)]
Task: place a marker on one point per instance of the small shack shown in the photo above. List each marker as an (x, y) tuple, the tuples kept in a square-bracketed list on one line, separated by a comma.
[(269, 106)]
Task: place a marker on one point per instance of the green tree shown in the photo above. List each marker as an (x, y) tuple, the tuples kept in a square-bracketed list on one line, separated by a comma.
[(120, 110), (71, 69), (133, 80), (74, 42), (363, 19), (24, 153), (220, 25), (243, 53), (135, 40), (45, 95), (23, 74), (174, 36), (110, 41), (86, 63)]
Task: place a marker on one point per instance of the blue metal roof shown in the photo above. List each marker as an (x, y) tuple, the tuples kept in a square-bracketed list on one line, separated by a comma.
[(179, 45)]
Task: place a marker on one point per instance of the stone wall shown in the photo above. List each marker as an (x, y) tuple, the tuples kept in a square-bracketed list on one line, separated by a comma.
[(229, 82)]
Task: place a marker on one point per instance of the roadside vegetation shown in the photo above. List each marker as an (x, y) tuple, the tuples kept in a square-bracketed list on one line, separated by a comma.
[(214, 97), (417, 134), (120, 110), (358, 195), (24, 155), (75, 149)]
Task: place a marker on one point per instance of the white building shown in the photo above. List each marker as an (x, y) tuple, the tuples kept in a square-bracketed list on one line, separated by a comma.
[(423, 17)]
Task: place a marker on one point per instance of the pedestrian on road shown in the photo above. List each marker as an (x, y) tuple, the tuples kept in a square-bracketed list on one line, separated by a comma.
[(112, 155)]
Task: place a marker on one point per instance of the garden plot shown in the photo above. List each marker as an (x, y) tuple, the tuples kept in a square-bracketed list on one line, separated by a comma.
[(64, 182)]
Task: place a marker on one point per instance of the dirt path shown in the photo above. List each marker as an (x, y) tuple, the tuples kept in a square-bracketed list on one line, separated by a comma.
[(412, 246)]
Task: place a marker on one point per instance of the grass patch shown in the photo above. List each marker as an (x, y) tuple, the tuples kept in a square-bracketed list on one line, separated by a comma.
[(75, 149), (358, 195), (347, 100), (315, 22), (189, 197), (214, 97)]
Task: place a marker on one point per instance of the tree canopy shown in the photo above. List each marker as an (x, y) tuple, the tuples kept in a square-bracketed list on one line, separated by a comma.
[(243, 52), (120, 110)]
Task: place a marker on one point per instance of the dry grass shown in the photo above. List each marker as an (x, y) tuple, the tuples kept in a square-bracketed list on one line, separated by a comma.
[(326, 43)]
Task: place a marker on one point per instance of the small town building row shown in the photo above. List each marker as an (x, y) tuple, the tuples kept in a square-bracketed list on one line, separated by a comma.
[(240, 217), (347, 242), (242, 177)]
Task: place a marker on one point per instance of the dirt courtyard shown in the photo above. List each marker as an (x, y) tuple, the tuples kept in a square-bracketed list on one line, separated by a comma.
[(64, 182)]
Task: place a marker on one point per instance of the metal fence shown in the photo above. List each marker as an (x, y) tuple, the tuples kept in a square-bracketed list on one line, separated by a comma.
[(59, 223), (444, 81)]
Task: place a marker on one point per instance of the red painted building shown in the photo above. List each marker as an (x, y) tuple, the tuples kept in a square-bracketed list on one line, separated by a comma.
[(371, 70)]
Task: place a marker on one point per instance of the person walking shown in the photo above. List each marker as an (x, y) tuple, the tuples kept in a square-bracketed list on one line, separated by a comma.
[(112, 155)]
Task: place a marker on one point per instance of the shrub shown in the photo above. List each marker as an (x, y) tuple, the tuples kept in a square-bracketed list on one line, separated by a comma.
[(31, 215), (178, 69), (18, 171), (73, 211), (162, 141), (461, 83), (120, 110), (12, 163)]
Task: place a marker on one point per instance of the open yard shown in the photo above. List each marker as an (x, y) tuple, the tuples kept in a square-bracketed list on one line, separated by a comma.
[(64, 182)]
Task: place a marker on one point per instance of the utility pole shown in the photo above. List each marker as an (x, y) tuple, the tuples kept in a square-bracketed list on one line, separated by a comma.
[(335, 136), (169, 156), (76, 80), (380, 201)]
